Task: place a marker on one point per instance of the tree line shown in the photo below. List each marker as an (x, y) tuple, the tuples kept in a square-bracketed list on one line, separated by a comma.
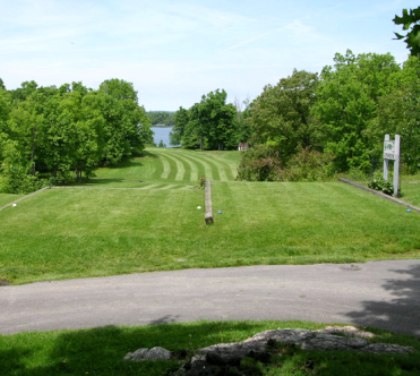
[(161, 118), (312, 125), (60, 134)]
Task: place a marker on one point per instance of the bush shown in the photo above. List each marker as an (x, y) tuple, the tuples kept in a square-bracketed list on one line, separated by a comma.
[(260, 163), (379, 184), (263, 163), (308, 165)]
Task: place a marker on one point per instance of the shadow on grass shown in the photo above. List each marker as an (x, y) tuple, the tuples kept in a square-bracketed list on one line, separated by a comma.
[(101, 351), (402, 312)]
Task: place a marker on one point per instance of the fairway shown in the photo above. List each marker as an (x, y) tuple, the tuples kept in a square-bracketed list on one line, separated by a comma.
[(143, 216)]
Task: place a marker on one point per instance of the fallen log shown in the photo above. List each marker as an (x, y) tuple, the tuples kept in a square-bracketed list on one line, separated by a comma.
[(208, 216)]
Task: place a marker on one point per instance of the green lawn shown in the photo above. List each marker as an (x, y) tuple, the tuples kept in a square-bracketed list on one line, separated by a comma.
[(101, 351), (7, 198), (144, 217), (410, 186)]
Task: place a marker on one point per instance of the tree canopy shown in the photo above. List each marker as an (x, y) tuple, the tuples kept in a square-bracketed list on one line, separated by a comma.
[(209, 124), (335, 121), (62, 133), (410, 21)]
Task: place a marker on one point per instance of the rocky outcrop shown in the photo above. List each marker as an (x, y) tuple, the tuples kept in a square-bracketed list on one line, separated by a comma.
[(155, 353), (215, 359)]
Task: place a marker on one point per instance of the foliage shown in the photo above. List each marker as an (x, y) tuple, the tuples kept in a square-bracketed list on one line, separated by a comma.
[(379, 184), (260, 163), (346, 107), (308, 165), (399, 113), (209, 124), (410, 18), (61, 134), (181, 121), (280, 118), (161, 118)]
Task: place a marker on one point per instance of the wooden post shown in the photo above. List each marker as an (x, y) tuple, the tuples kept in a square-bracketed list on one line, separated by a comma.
[(208, 217)]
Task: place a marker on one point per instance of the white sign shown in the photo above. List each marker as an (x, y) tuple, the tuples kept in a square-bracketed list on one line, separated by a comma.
[(389, 150), (392, 153)]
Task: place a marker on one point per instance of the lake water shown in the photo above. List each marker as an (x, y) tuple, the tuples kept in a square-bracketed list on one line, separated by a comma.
[(161, 134)]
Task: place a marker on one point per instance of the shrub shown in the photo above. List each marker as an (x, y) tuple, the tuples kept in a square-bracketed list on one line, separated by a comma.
[(259, 163), (379, 184), (309, 165)]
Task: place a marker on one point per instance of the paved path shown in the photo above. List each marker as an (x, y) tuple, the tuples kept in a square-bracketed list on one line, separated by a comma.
[(382, 294)]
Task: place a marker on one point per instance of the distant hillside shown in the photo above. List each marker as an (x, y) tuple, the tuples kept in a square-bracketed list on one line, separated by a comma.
[(161, 118)]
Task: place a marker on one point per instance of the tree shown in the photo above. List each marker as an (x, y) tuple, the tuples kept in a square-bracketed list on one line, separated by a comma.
[(181, 120), (211, 123), (410, 19), (399, 113), (280, 118), (127, 127), (346, 107)]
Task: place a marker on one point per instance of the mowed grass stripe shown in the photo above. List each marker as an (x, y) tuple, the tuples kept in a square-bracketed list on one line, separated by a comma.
[(166, 167), (230, 167), (170, 167), (191, 168), (181, 168), (215, 167), (211, 170), (201, 168)]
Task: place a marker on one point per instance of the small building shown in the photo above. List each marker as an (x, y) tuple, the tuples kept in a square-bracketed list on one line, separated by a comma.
[(243, 146)]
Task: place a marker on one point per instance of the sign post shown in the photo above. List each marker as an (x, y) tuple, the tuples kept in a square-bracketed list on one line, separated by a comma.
[(392, 153)]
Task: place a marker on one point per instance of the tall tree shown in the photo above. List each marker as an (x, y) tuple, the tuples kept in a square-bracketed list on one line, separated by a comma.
[(280, 118), (127, 127), (181, 120), (346, 106), (399, 113), (211, 123)]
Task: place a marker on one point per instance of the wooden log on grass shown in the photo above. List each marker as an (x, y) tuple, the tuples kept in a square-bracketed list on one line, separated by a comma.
[(208, 216)]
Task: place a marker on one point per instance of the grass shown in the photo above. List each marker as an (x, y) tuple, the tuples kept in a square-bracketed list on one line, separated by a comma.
[(139, 217), (411, 189), (6, 198), (100, 351)]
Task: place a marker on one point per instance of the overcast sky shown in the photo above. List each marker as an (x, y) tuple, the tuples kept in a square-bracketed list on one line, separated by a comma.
[(174, 51)]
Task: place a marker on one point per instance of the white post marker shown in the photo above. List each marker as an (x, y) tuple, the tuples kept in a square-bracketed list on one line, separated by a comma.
[(392, 153), (397, 165)]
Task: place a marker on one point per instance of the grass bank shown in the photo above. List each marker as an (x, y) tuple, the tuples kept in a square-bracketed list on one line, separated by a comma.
[(101, 351), (139, 217)]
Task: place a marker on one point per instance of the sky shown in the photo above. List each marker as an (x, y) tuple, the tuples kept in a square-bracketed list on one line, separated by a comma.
[(175, 51)]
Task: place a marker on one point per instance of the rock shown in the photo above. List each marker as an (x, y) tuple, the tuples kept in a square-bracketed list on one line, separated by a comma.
[(284, 336), (348, 330), (218, 359), (230, 353), (155, 353), (326, 341)]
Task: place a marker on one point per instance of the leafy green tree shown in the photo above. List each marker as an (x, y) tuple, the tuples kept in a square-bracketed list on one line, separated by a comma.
[(346, 107), (181, 120), (410, 18), (280, 117), (211, 123), (127, 127), (399, 113)]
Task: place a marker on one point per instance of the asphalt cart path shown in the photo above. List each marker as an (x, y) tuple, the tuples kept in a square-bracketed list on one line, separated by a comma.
[(383, 294)]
